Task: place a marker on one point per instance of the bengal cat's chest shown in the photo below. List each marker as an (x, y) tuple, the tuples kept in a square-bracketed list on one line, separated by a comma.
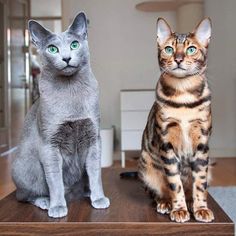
[(183, 115), (184, 126)]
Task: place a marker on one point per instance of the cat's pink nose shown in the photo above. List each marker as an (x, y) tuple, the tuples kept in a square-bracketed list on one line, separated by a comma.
[(179, 59)]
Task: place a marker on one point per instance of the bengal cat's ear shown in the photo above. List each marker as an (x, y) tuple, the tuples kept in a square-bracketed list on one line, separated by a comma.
[(203, 32), (163, 31)]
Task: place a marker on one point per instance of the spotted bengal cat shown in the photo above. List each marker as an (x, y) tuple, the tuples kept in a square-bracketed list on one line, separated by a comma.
[(175, 152)]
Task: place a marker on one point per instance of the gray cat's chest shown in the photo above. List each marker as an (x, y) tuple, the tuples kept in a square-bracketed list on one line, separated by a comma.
[(64, 106), (78, 106), (70, 126), (74, 136), (73, 139), (59, 106)]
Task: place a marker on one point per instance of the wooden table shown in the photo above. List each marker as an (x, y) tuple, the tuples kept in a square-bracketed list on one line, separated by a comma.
[(132, 212)]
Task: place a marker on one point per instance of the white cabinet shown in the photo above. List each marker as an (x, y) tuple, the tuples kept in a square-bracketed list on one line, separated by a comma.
[(133, 120), (135, 107)]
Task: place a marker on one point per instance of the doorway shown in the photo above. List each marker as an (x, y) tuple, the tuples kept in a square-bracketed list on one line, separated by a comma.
[(15, 77), (19, 66), (4, 131)]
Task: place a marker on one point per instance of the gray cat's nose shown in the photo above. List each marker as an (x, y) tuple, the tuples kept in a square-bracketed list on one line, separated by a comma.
[(66, 59)]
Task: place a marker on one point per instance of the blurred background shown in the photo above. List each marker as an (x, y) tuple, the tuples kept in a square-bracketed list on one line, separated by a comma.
[(122, 39)]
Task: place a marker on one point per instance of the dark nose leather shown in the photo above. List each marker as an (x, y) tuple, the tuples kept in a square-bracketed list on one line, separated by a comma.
[(66, 59)]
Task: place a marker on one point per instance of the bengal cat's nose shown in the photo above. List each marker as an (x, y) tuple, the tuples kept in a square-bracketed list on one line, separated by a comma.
[(179, 59), (67, 59)]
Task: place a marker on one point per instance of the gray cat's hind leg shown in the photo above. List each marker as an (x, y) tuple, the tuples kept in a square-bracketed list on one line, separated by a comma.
[(29, 178), (41, 202), (26, 196)]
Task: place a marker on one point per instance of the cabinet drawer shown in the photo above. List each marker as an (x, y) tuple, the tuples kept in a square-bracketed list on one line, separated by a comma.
[(137, 100)]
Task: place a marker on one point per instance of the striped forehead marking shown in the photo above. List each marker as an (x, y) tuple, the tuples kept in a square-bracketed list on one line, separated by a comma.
[(180, 38)]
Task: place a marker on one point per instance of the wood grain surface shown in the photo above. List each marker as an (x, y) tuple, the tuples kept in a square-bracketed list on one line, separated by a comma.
[(132, 212)]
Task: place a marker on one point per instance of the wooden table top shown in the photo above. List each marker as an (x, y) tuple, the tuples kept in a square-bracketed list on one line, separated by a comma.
[(132, 212)]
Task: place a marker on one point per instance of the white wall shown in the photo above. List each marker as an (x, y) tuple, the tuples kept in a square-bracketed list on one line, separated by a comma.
[(123, 55), (123, 48), (45, 8), (222, 75)]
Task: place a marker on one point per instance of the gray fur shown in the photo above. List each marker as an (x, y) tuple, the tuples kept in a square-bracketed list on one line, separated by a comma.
[(60, 150)]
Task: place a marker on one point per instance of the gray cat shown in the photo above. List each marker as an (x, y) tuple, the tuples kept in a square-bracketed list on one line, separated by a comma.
[(60, 150)]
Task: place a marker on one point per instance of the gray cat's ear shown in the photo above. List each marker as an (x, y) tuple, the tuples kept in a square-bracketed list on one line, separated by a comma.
[(163, 31), (79, 25), (203, 32), (37, 32)]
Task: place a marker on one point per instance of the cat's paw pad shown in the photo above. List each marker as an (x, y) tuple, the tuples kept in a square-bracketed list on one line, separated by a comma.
[(163, 207), (101, 203), (42, 202), (57, 211), (180, 215), (204, 215)]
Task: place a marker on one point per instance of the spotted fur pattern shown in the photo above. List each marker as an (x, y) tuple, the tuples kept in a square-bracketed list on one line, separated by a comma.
[(175, 151)]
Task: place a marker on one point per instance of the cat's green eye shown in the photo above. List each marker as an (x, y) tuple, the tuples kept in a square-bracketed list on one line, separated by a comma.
[(191, 50), (74, 45), (53, 49), (169, 50)]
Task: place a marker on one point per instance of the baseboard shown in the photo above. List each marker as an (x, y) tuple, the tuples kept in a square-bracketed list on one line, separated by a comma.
[(222, 152), (214, 152), (8, 152)]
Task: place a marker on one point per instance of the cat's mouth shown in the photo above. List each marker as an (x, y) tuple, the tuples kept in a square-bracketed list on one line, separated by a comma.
[(68, 70), (69, 67), (179, 68), (179, 71)]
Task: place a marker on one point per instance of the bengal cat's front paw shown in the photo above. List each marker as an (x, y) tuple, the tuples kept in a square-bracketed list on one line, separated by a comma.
[(57, 211), (163, 207), (180, 215), (101, 203), (204, 215)]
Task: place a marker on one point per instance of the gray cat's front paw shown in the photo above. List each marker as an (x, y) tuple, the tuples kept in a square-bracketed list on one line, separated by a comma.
[(57, 211), (101, 203)]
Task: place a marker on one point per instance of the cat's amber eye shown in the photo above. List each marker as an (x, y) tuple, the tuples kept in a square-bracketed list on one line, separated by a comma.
[(74, 45), (191, 50), (169, 50), (53, 49)]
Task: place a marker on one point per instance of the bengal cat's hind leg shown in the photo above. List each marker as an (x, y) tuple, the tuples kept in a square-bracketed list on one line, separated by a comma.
[(163, 206), (151, 172)]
